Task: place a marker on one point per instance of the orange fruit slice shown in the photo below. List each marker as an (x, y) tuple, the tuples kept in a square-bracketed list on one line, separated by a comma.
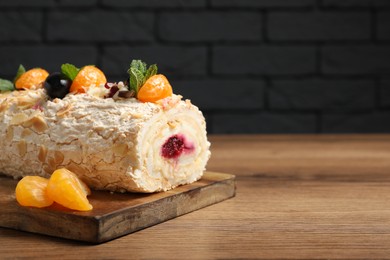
[(67, 189), (87, 76), (31, 79), (31, 191), (155, 88)]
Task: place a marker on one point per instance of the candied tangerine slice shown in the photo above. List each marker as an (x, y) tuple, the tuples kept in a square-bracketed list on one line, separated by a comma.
[(87, 76), (67, 189), (31, 191), (155, 88), (31, 79)]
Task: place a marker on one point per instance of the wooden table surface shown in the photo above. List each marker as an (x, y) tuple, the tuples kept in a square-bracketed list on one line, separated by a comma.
[(298, 196)]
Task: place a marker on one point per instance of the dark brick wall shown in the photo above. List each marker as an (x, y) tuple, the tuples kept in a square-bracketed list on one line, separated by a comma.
[(252, 66)]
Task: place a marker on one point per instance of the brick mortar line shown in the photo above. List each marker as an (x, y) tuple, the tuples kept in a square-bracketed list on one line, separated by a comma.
[(264, 26), (319, 60), (249, 111), (266, 93), (331, 42), (99, 58), (319, 111), (48, 44), (320, 11), (152, 9), (209, 121), (156, 31), (319, 122), (297, 43), (261, 77), (101, 6), (355, 113), (353, 8), (45, 27), (240, 43), (374, 28), (377, 95), (263, 8), (162, 43), (325, 77), (306, 43), (197, 9), (209, 61)]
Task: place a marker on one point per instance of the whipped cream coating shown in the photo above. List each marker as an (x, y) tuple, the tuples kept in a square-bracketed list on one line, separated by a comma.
[(111, 144)]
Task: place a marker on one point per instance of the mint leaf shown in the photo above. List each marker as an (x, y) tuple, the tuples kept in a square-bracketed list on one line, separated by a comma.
[(6, 85), (19, 73), (139, 73), (136, 79), (139, 65), (152, 70), (69, 70)]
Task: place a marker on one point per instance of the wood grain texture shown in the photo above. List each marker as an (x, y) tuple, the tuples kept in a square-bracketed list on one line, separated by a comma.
[(114, 214), (340, 157), (298, 197)]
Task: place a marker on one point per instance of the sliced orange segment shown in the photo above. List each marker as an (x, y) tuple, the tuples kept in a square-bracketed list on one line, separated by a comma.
[(155, 88), (31, 191), (87, 76), (67, 189), (32, 79)]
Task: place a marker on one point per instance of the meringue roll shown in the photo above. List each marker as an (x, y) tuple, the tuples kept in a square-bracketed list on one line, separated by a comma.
[(117, 145)]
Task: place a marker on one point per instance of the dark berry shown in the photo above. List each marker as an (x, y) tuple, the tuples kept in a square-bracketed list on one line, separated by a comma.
[(57, 85), (173, 147)]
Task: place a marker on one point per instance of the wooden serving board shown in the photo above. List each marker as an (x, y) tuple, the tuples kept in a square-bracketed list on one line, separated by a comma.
[(113, 215)]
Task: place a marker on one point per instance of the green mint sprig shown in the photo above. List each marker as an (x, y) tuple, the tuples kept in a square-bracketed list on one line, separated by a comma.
[(19, 73), (69, 70), (7, 85), (139, 74)]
